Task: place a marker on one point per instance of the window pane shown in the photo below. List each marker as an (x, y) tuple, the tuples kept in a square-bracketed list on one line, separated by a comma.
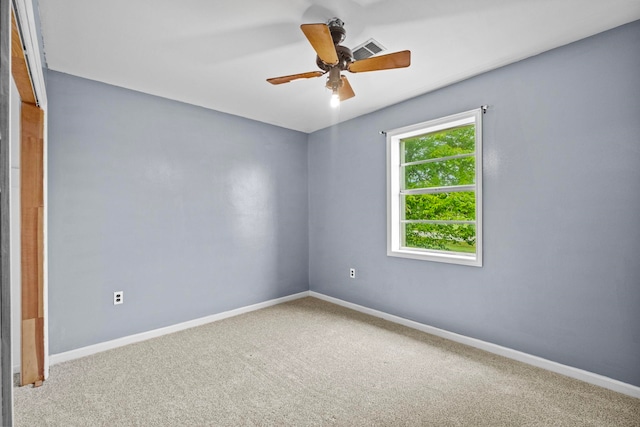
[(442, 237), (441, 174), (458, 206), (449, 142)]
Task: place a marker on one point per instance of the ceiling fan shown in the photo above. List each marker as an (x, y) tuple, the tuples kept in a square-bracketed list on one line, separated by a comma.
[(333, 58)]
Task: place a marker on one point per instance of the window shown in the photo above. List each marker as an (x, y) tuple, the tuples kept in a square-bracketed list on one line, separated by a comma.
[(434, 178)]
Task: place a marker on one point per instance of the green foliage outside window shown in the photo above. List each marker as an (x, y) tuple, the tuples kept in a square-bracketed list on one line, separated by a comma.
[(442, 206)]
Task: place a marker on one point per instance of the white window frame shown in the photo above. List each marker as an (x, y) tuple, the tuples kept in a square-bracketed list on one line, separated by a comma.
[(394, 199)]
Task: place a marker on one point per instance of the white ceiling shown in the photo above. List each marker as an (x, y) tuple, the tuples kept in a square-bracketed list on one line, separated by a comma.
[(217, 54)]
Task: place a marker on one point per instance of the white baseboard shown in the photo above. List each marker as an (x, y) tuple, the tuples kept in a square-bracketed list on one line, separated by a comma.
[(108, 345), (579, 374), (569, 371)]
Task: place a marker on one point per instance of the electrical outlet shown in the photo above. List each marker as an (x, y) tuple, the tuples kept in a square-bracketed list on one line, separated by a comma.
[(352, 273), (118, 297)]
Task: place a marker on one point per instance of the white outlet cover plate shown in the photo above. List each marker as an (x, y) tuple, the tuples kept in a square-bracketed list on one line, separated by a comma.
[(118, 297)]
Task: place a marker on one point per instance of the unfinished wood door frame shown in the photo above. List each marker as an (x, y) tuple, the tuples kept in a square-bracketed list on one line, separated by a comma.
[(31, 243), (32, 359)]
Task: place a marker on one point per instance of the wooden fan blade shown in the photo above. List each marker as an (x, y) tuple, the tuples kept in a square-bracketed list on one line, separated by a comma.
[(320, 38), (345, 92), (287, 79), (384, 62)]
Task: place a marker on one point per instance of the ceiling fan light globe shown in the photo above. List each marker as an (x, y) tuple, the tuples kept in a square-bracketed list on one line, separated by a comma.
[(335, 100)]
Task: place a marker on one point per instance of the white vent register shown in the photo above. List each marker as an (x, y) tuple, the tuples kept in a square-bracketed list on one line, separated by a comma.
[(367, 49)]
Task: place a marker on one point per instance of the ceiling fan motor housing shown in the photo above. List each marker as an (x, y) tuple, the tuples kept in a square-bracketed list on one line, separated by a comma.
[(345, 56), (338, 33)]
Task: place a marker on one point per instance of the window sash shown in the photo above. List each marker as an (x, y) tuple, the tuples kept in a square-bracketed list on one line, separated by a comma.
[(436, 221), (437, 190), (438, 159)]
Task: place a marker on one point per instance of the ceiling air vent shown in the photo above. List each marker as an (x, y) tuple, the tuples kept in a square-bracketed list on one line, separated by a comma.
[(367, 49)]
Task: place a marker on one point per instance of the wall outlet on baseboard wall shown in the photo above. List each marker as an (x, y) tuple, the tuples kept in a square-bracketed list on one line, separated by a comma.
[(352, 273), (118, 297)]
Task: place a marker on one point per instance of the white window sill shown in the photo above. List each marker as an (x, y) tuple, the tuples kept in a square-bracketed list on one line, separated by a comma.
[(451, 258)]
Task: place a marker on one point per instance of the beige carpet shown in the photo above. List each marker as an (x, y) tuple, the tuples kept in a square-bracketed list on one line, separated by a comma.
[(309, 362)]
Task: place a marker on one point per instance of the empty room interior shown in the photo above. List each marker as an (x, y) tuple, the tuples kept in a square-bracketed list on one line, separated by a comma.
[(360, 212)]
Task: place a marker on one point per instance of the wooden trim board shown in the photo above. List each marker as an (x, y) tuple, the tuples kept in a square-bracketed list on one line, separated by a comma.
[(31, 243)]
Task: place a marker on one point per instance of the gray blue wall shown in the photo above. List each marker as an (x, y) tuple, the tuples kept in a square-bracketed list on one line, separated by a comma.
[(190, 212), (193, 212), (561, 275)]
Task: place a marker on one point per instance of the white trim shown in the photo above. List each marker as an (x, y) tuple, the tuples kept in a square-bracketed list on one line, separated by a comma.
[(395, 193), (569, 371), (131, 339), (45, 231), (29, 34), (433, 255), (435, 125)]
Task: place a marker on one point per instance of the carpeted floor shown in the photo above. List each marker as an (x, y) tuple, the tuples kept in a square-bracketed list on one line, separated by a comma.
[(305, 363)]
